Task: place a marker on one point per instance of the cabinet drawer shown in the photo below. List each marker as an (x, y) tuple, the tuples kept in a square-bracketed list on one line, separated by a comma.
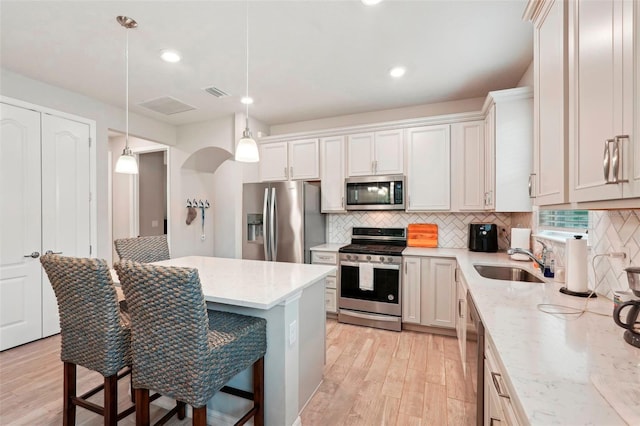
[(330, 300), (329, 258), (331, 282)]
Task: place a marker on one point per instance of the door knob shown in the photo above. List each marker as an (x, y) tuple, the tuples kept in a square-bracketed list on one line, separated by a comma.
[(35, 255), (52, 252)]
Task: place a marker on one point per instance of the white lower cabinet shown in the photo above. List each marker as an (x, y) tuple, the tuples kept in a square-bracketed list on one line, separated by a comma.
[(331, 281), (461, 320), (429, 291), (498, 404)]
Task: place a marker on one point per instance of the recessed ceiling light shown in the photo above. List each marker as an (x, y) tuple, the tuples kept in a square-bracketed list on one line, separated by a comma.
[(170, 56), (247, 100), (370, 2), (397, 72)]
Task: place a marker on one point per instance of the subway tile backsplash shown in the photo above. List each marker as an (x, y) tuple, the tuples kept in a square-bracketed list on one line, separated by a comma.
[(453, 228), (608, 230)]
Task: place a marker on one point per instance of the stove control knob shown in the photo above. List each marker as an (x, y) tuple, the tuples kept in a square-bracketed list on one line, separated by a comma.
[(381, 258), (389, 259), (368, 257), (348, 257)]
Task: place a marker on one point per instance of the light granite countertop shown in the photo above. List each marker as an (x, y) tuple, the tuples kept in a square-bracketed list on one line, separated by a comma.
[(551, 361), (328, 247)]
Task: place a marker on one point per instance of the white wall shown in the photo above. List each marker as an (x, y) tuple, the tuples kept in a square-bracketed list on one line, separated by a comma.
[(527, 77), (202, 166), (106, 117), (427, 110), (153, 192)]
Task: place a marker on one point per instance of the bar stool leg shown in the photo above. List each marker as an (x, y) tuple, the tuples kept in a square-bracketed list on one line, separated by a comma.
[(200, 416), (111, 400), (69, 413), (142, 407), (258, 392), (182, 410)]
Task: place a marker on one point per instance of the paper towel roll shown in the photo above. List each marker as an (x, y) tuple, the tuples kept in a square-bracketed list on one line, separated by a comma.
[(576, 265), (520, 238)]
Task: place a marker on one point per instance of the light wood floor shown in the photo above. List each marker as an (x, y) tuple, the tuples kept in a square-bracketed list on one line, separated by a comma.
[(372, 377)]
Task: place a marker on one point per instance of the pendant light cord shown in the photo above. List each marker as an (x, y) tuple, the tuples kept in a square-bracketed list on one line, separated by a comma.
[(247, 64), (126, 106)]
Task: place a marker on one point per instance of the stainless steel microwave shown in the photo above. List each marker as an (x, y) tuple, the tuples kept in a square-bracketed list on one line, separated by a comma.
[(375, 193)]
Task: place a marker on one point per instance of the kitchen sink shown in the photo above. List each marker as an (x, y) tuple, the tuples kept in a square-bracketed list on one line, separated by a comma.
[(506, 273)]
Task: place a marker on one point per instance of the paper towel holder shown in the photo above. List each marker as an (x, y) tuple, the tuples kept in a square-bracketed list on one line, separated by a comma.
[(565, 290)]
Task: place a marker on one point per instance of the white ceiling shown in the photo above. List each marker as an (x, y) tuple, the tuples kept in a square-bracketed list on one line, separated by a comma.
[(308, 59)]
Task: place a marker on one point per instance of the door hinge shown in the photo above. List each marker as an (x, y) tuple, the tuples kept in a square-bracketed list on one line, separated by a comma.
[(89, 142), (90, 250)]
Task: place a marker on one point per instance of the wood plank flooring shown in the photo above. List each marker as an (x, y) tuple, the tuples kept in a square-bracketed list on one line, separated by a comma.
[(371, 377)]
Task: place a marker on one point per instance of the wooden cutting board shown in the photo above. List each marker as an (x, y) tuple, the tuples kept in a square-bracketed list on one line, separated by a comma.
[(422, 235)]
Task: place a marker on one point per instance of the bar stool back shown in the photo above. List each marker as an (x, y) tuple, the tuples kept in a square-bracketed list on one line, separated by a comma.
[(184, 351), (143, 249), (94, 332)]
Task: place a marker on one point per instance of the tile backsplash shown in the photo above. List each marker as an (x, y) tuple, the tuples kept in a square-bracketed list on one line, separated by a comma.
[(452, 227), (608, 231)]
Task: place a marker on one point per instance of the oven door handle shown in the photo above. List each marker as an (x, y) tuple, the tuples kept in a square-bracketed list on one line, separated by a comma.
[(375, 265), (374, 317)]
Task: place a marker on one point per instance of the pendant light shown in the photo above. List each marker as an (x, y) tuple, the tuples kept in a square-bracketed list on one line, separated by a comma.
[(127, 162), (247, 149)]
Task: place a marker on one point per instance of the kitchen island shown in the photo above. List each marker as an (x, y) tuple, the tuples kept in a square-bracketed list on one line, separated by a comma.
[(290, 296)]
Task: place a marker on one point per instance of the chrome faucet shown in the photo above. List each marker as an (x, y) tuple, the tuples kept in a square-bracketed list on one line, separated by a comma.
[(528, 253), (541, 263)]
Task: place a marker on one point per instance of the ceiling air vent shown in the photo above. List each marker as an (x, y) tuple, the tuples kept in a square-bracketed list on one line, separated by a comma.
[(166, 105), (216, 92)]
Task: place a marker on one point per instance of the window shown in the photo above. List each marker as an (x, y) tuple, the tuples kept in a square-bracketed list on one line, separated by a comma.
[(568, 219)]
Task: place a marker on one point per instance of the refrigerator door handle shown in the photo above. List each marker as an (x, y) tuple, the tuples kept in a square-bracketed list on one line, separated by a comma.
[(273, 226), (265, 232)]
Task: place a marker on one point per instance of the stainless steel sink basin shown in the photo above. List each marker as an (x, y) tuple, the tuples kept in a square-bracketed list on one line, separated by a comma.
[(506, 273)]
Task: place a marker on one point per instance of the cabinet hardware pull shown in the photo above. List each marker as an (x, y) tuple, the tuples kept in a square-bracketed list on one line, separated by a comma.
[(617, 159), (52, 252), (373, 167), (459, 308), (606, 161), (342, 202), (489, 196), (494, 377), (375, 170), (34, 255), (531, 175), (493, 419), (286, 174)]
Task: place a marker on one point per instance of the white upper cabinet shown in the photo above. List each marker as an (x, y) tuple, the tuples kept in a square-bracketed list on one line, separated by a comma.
[(273, 162), (468, 149), (295, 160), (303, 160), (332, 174), (508, 165), (601, 97), (551, 144), (428, 168), (375, 153)]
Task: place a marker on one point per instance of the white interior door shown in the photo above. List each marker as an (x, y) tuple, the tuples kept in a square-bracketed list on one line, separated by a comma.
[(20, 223), (66, 226)]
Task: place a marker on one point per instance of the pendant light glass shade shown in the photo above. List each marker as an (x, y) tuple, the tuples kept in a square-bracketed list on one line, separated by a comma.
[(247, 149), (127, 163)]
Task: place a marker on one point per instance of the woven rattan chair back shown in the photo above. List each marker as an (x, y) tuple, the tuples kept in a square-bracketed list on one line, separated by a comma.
[(182, 350), (143, 249), (94, 333), (170, 327)]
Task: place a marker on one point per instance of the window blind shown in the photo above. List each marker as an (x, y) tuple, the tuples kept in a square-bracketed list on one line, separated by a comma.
[(572, 219)]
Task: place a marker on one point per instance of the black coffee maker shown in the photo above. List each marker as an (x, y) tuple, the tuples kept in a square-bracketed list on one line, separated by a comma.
[(631, 322)]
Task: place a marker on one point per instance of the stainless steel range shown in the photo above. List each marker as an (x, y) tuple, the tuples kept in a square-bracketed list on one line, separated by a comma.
[(369, 290)]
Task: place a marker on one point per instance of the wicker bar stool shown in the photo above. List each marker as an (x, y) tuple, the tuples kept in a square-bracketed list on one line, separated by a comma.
[(184, 351), (94, 332), (143, 249)]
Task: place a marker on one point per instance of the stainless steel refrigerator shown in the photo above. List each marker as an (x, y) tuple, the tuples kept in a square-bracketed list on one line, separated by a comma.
[(281, 221)]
